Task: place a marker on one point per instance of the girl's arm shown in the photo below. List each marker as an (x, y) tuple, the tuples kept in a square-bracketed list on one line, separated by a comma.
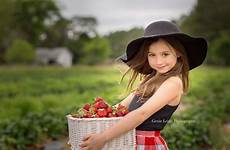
[(127, 100), (166, 92)]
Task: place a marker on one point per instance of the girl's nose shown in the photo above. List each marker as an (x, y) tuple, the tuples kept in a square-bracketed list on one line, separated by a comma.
[(158, 61)]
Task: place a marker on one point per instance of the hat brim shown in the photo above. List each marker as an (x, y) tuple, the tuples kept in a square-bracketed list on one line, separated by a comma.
[(195, 47)]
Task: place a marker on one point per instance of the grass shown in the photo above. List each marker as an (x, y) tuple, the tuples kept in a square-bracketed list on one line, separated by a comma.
[(27, 89)]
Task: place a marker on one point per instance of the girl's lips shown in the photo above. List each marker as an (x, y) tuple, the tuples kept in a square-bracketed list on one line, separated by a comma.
[(160, 67)]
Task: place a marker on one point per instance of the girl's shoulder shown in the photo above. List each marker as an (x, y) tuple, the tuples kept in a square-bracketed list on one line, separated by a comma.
[(174, 80)]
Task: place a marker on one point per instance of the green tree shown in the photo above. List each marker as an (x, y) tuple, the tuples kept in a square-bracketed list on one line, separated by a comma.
[(209, 18), (25, 19), (6, 17), (81, 30), (219, 51), (84, 25), (32, 16), (77, 47), (96, 51), (119, 39), (56, 34), (20, 52)]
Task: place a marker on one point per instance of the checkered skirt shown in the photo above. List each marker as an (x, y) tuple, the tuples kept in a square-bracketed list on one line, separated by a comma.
[(150, 140)]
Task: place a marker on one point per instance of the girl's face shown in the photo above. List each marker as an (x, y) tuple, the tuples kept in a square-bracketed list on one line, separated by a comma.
[(161, 56)]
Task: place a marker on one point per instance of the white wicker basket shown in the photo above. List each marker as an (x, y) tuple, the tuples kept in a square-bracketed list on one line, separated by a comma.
[(79, 127)]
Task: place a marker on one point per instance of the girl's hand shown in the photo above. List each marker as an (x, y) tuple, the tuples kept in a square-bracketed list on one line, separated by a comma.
[(92, 142)]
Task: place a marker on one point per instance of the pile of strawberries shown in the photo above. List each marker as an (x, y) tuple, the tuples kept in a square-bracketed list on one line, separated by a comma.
[(100, 109)]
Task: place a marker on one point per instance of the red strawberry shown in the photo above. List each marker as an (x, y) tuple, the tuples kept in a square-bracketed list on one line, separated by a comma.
[(98, 99), (96, 105), (120, 107), (94, 109), (87, 106), (109, 110), (100, 108), (124, 112), (102, 104), (95, 116), (87, 115), (111, 115), (102, 112), (119, 114)]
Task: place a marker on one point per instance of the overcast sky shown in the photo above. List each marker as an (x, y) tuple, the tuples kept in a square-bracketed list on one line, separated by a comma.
[(124, 14)]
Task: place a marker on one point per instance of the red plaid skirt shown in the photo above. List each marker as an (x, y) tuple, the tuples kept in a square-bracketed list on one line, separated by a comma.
[(150, 140)]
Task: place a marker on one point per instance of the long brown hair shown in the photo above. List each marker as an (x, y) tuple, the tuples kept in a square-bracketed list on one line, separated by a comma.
[(150, 81)]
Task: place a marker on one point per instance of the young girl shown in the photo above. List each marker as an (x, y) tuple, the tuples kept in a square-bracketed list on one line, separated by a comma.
[(162, 59)]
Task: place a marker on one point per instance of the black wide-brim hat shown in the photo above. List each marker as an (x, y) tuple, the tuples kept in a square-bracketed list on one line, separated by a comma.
[(195, 47)]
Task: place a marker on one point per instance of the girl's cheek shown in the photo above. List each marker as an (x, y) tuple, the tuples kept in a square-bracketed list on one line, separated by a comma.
[(150, 60)]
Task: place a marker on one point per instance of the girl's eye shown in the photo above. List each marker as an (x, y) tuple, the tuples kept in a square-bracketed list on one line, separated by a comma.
[(165, 54), (151, 55)]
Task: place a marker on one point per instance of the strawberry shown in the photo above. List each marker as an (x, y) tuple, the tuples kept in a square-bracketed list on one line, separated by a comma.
[(119, 114), (87, 115), (95, 116), (124, 112), (87, 106), (94, 110), (98, 99), (96, 105), (99, 108), (102, 104), (109, 110), (111, 115), (120, 107), (102, 112)]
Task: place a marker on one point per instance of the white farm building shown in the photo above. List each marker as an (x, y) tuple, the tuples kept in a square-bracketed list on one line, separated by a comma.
[(58, 56)]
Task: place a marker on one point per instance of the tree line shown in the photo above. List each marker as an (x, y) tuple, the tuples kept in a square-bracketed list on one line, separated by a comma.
[(27, 24), (210, 19)]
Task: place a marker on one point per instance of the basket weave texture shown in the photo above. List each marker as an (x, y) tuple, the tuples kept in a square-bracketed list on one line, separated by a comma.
[(79, 127)]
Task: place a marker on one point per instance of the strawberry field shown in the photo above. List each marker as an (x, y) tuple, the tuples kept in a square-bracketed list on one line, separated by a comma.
[(34, 102)]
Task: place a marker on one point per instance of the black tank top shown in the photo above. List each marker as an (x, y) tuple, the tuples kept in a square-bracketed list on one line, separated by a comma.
[(158, 120)]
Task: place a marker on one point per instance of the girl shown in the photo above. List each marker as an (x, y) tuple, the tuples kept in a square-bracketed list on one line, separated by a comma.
[(162, 59)]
